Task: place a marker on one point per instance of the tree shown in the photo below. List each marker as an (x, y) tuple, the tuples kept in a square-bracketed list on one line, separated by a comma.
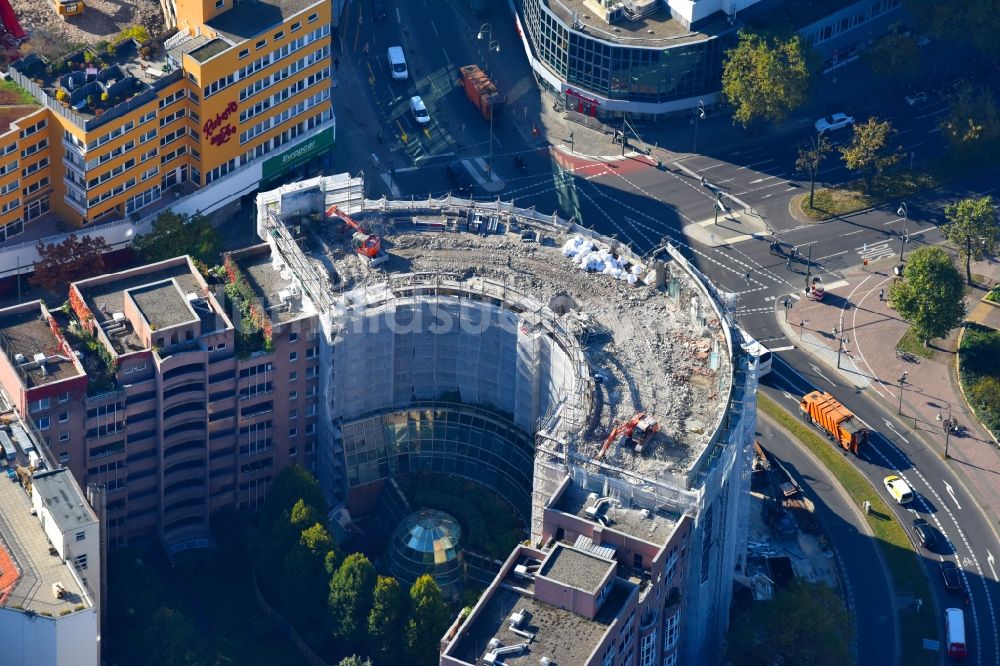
[(293, 483), (429, 619), (810, 158), (303, 565), (972, 119), (931, 294), (764, 79), (350, 599), (174, 234), (75, 258), (805, 623), (869, 151), (972, 226), (173, 640), (355, 660), (896, 56), (386, 621), (977, 24)]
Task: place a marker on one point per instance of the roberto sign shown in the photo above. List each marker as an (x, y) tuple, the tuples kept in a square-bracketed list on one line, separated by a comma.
[(217, 130), (297, 155)]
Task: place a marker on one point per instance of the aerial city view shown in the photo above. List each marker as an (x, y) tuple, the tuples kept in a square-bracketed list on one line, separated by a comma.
[(499, 332)]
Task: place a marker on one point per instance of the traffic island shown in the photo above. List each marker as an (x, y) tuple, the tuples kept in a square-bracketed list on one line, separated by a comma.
[(909, 580)]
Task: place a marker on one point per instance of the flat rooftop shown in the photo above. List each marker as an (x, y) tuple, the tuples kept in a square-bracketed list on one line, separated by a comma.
[(652, 525), (652, 354), (24, 542), (658, 28), (209, 50), (61, 499), (108, 297), (28, 334), (268, 283), (162, 304), (249, 19), (576, 568), (564, 637)]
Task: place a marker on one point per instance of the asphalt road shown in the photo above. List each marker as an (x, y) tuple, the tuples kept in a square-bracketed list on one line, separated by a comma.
[(864, 584), (968, 538)]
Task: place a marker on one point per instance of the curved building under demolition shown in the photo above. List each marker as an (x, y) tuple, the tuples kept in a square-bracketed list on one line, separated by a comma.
[(601, 393)]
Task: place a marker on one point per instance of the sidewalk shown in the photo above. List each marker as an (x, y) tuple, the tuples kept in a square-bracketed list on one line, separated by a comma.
[(869, 362)]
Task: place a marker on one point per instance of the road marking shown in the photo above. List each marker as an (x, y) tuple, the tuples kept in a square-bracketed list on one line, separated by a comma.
[(789, 396), (922, 231), (836, 254), (951, 491), (989, 560), (820, 373), (837, 284), (851, 233), (446, 56), (399, 18), (781, 349), (750, 166), (434, 28), (891, 427)]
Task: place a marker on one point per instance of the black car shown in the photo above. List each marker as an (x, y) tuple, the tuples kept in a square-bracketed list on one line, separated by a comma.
[(379, 11), (949, 572), (926, 533), (459, 178)]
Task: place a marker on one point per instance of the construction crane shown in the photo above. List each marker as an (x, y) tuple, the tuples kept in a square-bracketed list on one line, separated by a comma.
[(368, 246), (638, 429)]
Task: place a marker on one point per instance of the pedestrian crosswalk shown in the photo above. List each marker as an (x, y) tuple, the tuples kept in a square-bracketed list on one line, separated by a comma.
[(875, 251)]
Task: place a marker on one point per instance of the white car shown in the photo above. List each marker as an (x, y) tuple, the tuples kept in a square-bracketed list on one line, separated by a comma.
[(916, 97), (834, 121), (899, 489), (419, 110)]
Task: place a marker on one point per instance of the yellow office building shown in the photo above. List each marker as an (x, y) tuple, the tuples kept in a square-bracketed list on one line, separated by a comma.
[(239, 85)]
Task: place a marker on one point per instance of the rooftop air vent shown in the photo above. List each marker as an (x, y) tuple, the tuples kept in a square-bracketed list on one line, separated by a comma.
[(39, 357), (119, 317), (20, 359)]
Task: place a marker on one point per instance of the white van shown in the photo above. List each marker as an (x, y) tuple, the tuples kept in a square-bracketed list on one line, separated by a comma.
[(954, 629), (397, 63)]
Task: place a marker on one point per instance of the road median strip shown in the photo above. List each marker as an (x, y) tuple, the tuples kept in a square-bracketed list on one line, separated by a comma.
[(908, 577)]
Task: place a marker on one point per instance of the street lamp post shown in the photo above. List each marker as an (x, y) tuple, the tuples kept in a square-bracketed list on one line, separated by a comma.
[(492, 46), (903, 212), (902, 382), (842, 340), (948, 424), (697, 121)]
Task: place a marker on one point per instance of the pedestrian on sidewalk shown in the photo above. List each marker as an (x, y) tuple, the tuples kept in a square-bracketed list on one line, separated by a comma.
[(881, 295), (748, 277)]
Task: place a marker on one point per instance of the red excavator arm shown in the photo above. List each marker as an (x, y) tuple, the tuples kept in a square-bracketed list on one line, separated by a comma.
[(647, 426), (364, 243)]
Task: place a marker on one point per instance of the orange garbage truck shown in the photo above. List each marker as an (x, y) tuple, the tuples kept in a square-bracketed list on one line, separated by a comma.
[(824, 411)]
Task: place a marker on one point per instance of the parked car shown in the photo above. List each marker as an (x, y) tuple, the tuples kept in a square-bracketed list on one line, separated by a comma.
[(379, 11), (419, 110), (899, 489), (459, 178), (916, 97), (834, 121), (949, 572), (925, 533)]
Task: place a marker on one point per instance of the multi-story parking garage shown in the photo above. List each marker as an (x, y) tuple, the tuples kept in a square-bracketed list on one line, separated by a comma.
[(503, 346)]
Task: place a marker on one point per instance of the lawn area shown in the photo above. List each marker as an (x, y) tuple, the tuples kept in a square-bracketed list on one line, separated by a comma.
[(832, 202), (214, 619), (13, 94), (979, 373), (908, 577), (911, 343)]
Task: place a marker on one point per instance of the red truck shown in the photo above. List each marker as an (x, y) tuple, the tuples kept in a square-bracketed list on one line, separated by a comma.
[(481, 91)]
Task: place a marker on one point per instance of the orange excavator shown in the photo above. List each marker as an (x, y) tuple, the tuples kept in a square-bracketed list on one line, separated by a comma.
[(368, 246), (638, 430)]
